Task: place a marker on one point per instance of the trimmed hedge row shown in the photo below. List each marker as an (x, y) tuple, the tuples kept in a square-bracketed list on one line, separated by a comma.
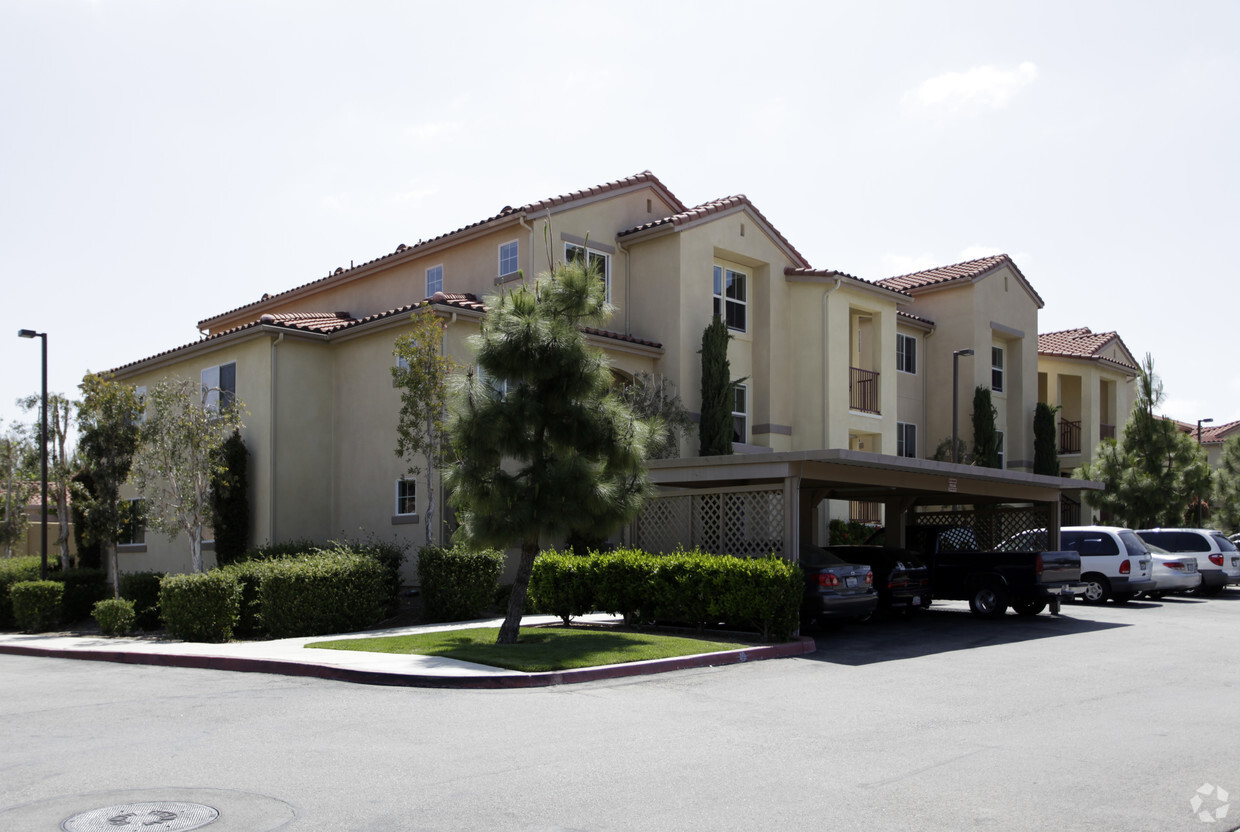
[(458, 584), (695, 588), (14, 570), (142, 588), (201, 607), (37, 604), (115, 617)]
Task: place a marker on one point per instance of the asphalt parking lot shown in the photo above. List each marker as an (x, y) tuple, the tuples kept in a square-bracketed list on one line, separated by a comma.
[(1108, 718)]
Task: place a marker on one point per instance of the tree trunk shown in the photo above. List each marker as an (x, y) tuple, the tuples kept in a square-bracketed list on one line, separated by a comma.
[(195, 552), (114, 568), (516, 602), (62, 538)]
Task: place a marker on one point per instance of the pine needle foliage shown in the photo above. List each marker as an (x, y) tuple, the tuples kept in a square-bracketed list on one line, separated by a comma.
[(543, 447), (715, 428)]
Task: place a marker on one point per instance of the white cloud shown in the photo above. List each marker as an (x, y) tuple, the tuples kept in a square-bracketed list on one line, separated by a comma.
[(411, 194), (982, 87), (433, 131)]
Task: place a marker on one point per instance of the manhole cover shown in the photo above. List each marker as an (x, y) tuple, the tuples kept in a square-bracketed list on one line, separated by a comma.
[(163, 816)]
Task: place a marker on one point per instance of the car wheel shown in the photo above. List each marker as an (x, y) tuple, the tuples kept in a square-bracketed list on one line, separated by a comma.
[(988, 601), (1155, 595), (1207, 591), (1028, 607), (1097, 588)]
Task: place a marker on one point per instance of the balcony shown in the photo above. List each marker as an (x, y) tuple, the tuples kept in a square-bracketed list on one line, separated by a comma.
[(1069, 437), (863, 390)]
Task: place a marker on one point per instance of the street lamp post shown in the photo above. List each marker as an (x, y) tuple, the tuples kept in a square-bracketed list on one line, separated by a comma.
[(30, 333), (1200, 422), (956, 401)]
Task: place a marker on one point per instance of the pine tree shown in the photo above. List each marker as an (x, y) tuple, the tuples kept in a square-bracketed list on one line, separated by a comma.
[(1225, 504), (1045, 442), (542, 446)]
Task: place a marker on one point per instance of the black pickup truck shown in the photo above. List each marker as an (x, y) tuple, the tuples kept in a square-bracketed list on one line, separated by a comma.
[(1028, 582)]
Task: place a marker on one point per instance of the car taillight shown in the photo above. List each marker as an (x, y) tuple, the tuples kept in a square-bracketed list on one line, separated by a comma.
[(1173, 565), (1037, 565), (1125, 568), (869, 578), (1217, 560), (828, 579)]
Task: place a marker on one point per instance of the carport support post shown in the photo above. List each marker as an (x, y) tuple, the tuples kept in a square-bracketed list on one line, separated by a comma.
[(895, 515), (1053, 540)]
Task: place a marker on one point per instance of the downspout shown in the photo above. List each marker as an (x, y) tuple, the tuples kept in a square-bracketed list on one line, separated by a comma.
[(925, 408), (826, 293), (271, 462), (625, 251), (530, 229)]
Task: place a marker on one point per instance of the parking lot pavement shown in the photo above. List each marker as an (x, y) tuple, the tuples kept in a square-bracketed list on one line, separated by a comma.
[(1107, 718)]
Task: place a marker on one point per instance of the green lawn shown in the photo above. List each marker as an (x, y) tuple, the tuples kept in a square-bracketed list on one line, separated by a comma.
[(538, 648)]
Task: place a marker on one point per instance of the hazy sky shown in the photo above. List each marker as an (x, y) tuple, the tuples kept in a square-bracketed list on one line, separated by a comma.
[(161, 162)]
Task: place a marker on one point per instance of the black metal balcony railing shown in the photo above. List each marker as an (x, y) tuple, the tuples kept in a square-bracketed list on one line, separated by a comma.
[(1069, 437), (1106, 431), (865, 512), (863, 390)]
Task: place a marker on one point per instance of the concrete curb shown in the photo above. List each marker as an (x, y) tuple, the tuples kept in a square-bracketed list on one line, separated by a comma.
[(240, 664)]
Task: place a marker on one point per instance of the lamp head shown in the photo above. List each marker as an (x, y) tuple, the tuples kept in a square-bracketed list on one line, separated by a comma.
[(27, 333), (964, 352)]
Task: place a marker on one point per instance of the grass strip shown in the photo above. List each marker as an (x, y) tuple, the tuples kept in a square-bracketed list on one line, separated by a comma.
[(538, 649)]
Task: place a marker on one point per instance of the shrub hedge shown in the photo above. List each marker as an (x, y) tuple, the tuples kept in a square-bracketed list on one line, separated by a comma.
[(115, 617), (458, 584), (763, 594), (13, 570), (325, 592), (37, 604), (83, 587), (202, 607), (142, 588)]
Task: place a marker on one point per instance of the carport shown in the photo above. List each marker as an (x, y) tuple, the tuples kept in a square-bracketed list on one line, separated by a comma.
[(756, 504)]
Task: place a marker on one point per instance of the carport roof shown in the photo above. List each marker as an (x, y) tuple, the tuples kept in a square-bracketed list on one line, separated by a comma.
[(858, 475)]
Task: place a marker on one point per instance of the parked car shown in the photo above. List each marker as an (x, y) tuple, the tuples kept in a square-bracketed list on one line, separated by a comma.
[(1218, 561), (1172, 573), (1115, 562), (834, 588), (901, 579)]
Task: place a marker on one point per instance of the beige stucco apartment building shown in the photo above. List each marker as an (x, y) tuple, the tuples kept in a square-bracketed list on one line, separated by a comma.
[(829, 360)]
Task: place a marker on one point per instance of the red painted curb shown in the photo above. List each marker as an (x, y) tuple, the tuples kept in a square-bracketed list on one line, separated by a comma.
[(797, 647)]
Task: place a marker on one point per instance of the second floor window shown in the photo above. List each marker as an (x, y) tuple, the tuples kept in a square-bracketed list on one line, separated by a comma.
[(906, 353), (996, 369), (219, 387), (509, 254), (999, 446), (434, 280), (906, 439), (132, 532), (406, 497), (730, 297), (595, 260), (740, 413)]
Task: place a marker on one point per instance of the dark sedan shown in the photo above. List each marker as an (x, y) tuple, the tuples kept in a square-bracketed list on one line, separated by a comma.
[(900, 576), (835, 588)]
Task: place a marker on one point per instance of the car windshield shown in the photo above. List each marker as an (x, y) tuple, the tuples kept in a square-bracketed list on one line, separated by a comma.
[(814, 556), (1224, 544)]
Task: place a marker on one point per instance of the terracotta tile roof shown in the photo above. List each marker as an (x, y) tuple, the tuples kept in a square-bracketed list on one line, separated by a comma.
[(309, 321), (718, 206), (643, 178), (1211, 434), (792, 271), (969, 270), (617, 336), (900, 313), (1081, 343)]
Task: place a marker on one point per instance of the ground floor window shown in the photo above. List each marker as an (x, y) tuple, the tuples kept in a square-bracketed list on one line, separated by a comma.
[(740, 413), (133, 532), (406, 497), (906, 439)]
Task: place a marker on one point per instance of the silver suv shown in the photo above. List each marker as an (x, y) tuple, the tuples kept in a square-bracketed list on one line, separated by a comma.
[(1218, 561)]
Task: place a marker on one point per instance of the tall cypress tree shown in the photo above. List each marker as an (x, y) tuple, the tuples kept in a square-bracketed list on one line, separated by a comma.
[(985, 437), (230, 501), (542, 446), (715, 427), (1045, 443)]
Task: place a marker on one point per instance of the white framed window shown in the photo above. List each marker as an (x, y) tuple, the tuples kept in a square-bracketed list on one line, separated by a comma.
[(731, 298), (740, 413), (133, 530), (906, 439), (509, 258), (996, 369), (999, 448), (593, 259), (219, 387), (140, 392), (406, 497), (906, 353), (434, 280)]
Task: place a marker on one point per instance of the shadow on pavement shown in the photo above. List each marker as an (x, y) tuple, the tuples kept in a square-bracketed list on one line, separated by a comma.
[(947, 628)]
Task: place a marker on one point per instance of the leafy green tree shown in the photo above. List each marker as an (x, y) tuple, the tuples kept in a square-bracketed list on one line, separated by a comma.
[(230, 501), (15, 478), (715, 427), (421, 373), (654, 398), (985, 435), (543, 446), (61, 466), (178, 456), (1225, 503), (1154, 471), (1045, 442), (943, 451), (108, 438)]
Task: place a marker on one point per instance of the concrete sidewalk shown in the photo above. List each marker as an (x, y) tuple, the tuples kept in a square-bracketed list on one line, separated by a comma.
[(291, 657)]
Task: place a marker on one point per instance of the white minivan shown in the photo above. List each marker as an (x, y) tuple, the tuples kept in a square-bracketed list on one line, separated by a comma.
[(1115, 562)]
